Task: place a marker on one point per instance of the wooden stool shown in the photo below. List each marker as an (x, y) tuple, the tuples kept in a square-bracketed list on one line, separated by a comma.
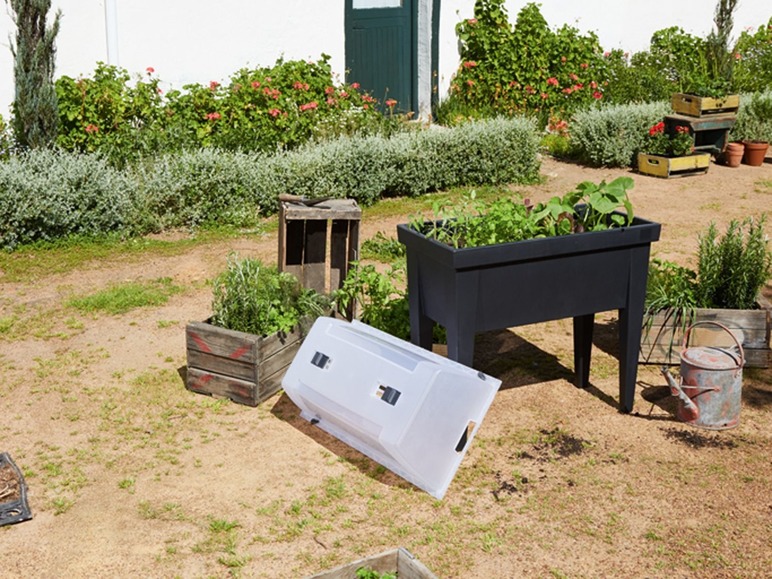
[(303, 230), (710, 132)]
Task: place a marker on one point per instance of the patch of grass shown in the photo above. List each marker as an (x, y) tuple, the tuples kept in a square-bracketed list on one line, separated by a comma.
[(763, 186), (120, 298)]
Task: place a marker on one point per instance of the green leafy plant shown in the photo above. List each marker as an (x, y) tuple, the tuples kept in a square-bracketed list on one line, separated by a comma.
[(733, 268), (370, 573), (590, 207), (658, 142), (253, 298)]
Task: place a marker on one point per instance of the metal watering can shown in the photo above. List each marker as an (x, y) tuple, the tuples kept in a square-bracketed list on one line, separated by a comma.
[(710, 390)]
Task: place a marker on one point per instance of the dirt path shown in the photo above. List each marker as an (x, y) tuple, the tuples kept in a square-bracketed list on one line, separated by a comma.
[(131, 475)]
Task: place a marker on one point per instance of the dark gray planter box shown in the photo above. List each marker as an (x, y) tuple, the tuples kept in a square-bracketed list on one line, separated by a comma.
[(479, 289)]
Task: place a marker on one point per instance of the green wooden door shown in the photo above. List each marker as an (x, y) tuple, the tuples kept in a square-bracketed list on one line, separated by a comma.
[(380, 49)]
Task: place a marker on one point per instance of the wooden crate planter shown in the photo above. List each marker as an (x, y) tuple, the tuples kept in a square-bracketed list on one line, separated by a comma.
[(667, 167), (696, 106), (399, 561), (660, 345), (242, 367)]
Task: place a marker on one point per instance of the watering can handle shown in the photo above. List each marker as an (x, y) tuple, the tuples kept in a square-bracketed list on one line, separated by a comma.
[(709, 322)]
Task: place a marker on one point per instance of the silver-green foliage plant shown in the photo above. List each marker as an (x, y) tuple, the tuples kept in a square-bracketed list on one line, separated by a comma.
[(47, 195), (257, 299), (733, 268), (612, 135), (754, 119)]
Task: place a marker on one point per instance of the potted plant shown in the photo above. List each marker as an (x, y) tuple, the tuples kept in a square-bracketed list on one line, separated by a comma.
[(669, 155), (515, 263), (754, 128), (259, 318), (725, 288)]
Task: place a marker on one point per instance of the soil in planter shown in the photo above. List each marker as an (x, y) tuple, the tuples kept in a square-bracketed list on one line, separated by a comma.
[(10, 487)]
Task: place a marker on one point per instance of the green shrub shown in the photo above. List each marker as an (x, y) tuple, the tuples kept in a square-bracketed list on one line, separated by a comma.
[(753, 59), (257, 299), (206, 187), (525, 68), (46, 195), (754, 119), (612, 135), (732, 269), (6, 140)]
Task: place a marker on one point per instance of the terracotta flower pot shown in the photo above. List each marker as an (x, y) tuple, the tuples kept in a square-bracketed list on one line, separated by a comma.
[(755, 151), (733, 154)]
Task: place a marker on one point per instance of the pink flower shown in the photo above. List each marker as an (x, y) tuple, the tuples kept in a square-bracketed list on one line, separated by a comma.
[(213, 85), (274, 112), (267, 79), (553, 81), (578, 86), (213, 116), (343, 94), (470, 82), (150, 70), (584, 65), (597, 95), (606, 54), (529, 89), (738, 56), (472, 20), (563, 59), (255, 84), (309, 106), (367, 98), (91, 129), (470, 64), (390, 103), (568, 90), (355, 85), (593, 84), (331, 101), (300, 85), (572, 76), (329, 90), (544, 95)]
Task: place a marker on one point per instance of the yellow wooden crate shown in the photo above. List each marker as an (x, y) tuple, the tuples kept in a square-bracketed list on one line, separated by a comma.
[(695, 106), (667, 167)]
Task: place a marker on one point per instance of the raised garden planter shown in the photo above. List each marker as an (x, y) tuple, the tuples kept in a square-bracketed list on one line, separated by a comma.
[(697, 106), (242, 367), (399, 561), (479, 289), (661, 340), (667, 167)]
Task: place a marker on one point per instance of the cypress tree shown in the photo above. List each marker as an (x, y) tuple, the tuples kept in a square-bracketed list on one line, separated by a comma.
[(34, 108)]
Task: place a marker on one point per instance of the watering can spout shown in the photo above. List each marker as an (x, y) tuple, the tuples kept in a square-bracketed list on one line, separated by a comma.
[(690, 409)]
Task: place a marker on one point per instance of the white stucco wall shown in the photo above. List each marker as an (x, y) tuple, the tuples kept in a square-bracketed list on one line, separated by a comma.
[(188, 41)]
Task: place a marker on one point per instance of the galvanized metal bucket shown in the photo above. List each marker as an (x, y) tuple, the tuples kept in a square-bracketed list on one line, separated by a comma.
[(710, 389)]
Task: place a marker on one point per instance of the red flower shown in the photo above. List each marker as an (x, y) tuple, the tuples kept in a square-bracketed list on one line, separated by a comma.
[(300, 85), (472, 20), (367, 98), (584, 65), (593, 84), (553, 81), (572, 76), (597, 95), (355, 85), (213, 84), (658, 128), (309, 106), (213, 116), (331, 101), (568, 90), (150, 70), (544, 95), (329, 90), (343, 94), (91, 129), (470, 64), (563, 59), (470, 82), (390, 103), (680, 129), (274, 112), (255, 84)]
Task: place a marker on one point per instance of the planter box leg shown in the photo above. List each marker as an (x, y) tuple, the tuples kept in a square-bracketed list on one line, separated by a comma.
[(583, 326)]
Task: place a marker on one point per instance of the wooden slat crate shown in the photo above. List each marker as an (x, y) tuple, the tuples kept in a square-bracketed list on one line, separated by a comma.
[(668, 167), (242, 367), (661, 343), (695, 106), (399, 561)]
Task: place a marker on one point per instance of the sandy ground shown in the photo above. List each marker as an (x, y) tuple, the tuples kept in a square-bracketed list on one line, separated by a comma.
[(129, 474)]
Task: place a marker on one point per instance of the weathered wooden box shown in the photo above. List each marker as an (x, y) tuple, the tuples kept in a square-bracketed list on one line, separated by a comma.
[(243, 367), (696, 106), (399, 561), (661, 340), (667, 167)]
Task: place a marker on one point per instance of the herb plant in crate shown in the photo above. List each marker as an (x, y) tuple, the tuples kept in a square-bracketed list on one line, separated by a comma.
[(671, 155), (259, 318), (488, 268), (731, 271)]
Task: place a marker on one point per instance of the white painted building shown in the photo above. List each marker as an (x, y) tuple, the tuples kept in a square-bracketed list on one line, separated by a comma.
[(195, 41)]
